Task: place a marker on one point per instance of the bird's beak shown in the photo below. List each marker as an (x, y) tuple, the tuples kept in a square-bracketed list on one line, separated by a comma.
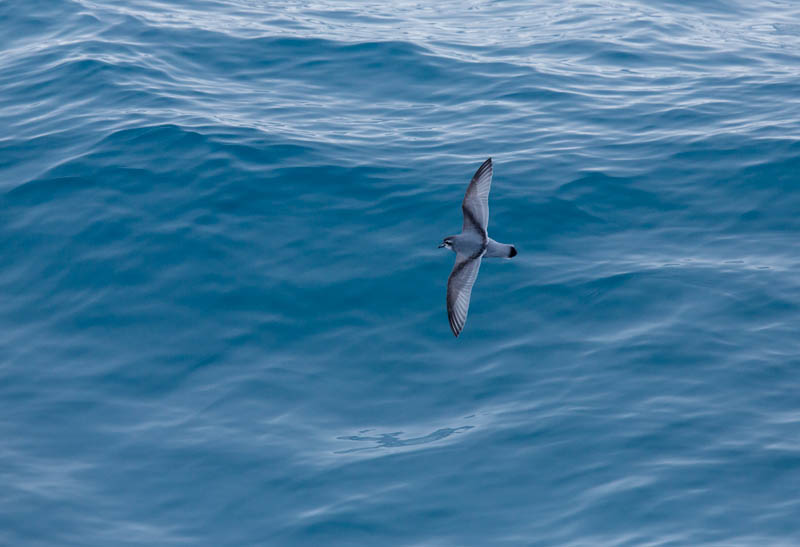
[(441, 245)]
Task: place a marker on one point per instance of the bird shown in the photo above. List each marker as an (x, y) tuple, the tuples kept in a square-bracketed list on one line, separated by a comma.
[(470, 246)]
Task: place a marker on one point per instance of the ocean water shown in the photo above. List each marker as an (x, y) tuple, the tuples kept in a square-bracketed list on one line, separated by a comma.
[(222, 312)]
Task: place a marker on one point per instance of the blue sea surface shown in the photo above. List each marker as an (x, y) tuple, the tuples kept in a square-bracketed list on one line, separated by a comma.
[(222, 306)]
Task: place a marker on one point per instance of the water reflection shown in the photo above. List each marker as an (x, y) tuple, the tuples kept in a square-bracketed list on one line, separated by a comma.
[(393, 440)]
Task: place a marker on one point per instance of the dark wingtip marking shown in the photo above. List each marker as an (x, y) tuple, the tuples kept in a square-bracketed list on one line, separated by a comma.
[(482, 169), (456, 332), (513, 252)]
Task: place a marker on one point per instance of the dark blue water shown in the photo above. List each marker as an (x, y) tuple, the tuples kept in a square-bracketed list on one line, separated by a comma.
[(222, 306)]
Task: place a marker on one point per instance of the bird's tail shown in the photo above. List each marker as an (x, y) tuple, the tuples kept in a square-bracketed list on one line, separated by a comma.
[(500, 250)]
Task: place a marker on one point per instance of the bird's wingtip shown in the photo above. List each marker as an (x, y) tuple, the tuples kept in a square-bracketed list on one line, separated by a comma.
[(513, 252)]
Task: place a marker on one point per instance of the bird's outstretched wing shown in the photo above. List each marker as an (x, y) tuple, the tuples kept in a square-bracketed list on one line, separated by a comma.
[(476, 200), (459, 289)]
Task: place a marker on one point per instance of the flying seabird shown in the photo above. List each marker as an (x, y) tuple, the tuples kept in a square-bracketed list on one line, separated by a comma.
[(470, 246)]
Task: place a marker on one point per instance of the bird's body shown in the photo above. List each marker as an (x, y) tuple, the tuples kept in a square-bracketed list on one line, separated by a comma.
[(470, 246), (469, 243)]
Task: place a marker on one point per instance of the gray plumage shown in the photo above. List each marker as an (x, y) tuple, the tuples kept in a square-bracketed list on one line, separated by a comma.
[(470, 246)]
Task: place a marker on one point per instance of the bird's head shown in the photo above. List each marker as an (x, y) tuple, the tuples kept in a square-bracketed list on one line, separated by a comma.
[(447, 243)]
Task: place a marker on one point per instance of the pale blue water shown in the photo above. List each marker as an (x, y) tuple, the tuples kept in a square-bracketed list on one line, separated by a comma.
[(223, 307)]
